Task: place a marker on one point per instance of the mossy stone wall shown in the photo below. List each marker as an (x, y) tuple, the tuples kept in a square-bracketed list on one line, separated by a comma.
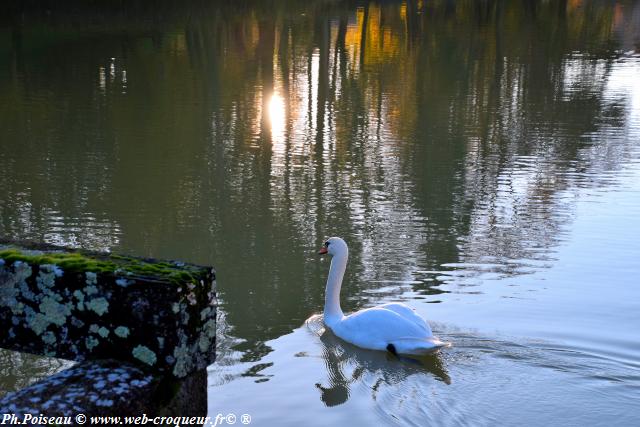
[(82, 305)]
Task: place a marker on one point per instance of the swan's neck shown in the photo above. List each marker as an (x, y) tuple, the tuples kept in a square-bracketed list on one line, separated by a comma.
[(332, 311)]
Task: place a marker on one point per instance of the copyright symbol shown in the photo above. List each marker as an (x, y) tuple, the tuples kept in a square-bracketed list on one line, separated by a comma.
[(81, 418), (231, 419)]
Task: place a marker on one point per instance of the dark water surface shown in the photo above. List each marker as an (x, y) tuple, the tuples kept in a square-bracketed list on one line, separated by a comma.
[(481, 158)]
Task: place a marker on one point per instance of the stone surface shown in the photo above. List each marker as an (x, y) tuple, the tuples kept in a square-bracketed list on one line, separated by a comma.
[(108, 388), (81, 305)]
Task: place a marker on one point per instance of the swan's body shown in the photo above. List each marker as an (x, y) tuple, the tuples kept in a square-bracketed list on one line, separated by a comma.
[(393, 327)]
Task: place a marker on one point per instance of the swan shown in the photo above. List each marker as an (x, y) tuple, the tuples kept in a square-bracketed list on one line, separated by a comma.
[(392, 327)]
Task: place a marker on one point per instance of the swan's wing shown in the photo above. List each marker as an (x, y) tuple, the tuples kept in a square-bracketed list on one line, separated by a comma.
[(409, 314), (376, 327)]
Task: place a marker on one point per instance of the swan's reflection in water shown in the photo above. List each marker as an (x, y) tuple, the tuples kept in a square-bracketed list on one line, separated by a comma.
[(350, 366)]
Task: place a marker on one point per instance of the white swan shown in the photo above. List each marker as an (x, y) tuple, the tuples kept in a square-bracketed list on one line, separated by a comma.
[(393, 327)]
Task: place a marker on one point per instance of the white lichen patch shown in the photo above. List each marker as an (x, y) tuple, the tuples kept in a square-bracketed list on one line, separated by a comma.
[(122, 331), (100, 330), (203, 343), (185, 318), (183, 362), (209, 328), (145, 355), (46, 277), (53, 311), (13, 282), (22, 270), (205, 313), (91, 290), (38, 323), (91, 342), (52, 268), (124, 282), (26, 292), (207, 335), (58, 271), (98, 305), (79, 295), (191, 297), (91, 278), (49, 338), (77, 322)]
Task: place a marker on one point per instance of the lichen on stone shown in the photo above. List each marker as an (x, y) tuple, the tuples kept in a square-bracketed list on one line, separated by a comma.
[(191, 297), (78, 294), (91, 343), (26, 293), (206, 336), (122, 331), (38, 323), (99, 305), (124, 282), (183, 356), (53, 311), (144, 354), (203, 343), (91, 278), (100, 330), (209, 328), (49, 338), (205, 313), (77, 322)]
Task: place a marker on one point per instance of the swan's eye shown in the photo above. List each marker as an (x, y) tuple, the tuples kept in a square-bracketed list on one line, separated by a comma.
[(326, 244)]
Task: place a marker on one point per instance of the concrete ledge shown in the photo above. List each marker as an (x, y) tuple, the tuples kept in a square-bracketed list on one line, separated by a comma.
[(82, 305)]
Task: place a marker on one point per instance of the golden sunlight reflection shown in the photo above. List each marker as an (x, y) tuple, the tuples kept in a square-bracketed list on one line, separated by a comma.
[(277, 119)]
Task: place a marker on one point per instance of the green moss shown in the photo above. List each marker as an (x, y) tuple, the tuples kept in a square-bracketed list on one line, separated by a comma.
[(114, 265), (67, 261)]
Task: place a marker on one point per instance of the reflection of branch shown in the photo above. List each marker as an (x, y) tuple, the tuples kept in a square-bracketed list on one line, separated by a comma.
[(363, 35)]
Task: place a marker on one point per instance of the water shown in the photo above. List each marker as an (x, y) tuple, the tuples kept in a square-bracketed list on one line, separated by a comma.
[(480, 158)]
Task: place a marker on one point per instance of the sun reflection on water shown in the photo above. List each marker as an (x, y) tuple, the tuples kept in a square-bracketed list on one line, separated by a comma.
[(277, 118)]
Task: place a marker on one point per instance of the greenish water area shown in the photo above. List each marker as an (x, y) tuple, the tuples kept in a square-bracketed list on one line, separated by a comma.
[(480, 158)]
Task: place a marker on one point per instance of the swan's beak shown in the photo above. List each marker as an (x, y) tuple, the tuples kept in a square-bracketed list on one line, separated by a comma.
[(323, 250)]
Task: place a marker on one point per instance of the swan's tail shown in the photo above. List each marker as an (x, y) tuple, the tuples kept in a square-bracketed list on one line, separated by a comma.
[(418, 346)]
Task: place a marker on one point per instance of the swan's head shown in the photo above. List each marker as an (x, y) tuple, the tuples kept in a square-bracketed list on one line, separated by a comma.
[(334, 246)]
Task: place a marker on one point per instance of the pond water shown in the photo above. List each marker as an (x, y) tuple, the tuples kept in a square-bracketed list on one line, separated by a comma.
[(481, 159)]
